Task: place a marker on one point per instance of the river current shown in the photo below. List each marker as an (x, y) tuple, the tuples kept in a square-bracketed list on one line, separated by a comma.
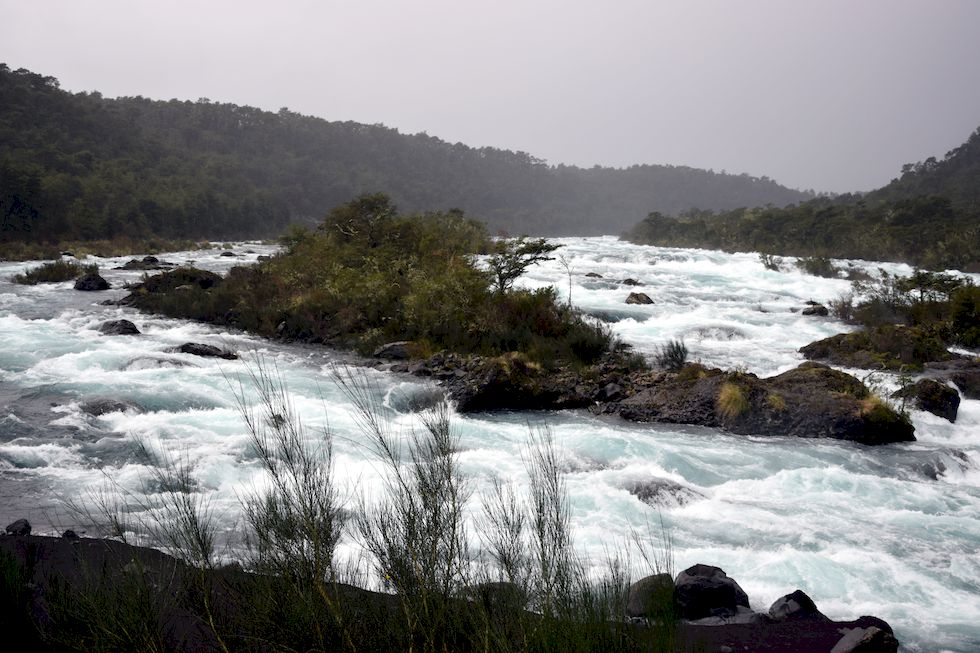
[(892, 531)]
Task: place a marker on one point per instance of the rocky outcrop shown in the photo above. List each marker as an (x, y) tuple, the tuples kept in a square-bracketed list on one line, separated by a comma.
[(173, 279), (890, 347), (795, 607), (21, 527), (638, 298), (932, 396), (631, 282), (103, 405), (205, 351), (91, 282), (705, 591), (400, 350), (817, 309), (146, 263), (118, 328), (963, 372), (646, 594), (871, 639)]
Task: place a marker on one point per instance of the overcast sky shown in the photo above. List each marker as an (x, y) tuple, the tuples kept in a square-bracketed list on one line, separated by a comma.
[(833, 95)]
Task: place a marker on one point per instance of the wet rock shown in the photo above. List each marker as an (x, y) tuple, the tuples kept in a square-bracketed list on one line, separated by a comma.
[(119, 328), (705, 591), (264, 257), (228, 254), (932, 396), (630, 282), (818, 310), (610, 392), (796, 607), (638, 298), (69, 254), (91, 282), (650, 595), (103, 405), (205, 351), (866, 640), (593, 275), (168, 281), (146, 263), (399, 350), (662, 492), (715, 333), (21, 527)]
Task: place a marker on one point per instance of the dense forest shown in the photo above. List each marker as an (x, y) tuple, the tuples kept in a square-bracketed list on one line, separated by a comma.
[(81, 166), (929, 216)]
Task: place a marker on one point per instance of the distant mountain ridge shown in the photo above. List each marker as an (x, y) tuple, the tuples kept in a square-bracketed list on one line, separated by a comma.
[(83, 166), (929, 217)]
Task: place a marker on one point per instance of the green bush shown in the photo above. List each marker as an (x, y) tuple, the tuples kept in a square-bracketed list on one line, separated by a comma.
[(54, 272)]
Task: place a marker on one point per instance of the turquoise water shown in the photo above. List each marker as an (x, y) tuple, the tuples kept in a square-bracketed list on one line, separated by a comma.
[(861, 530)]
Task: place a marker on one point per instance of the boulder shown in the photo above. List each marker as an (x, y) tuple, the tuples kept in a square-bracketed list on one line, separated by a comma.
[(146, 263), (705, 591), (662, 492), (650, 595), (593, 275), (91, 282), (205, 351), (399, 350), (228, 254), (167, 281), (796, 607), (119, 328), (818, 310), (630, 282), (70, 535), (638, 298), (932, 396), (19, 527), (866, 640), (103, 405)]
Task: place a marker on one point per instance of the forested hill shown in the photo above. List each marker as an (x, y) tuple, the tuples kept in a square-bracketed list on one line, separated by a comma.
[(84, 166), (930, 217)]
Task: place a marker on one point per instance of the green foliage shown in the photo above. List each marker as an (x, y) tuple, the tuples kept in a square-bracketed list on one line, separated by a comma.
[(965, 316), (672, 356), (512, 258), (54, 272), (84, 166), (370, 275), (818, 266), (770, 261)]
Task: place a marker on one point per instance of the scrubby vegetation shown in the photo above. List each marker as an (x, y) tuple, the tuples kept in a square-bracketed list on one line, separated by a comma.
[(369, 275), (54, 272), (672, 356), (929, 217), (515, 584)]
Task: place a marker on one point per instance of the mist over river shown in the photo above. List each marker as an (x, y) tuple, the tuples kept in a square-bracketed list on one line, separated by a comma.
[(892, 531)]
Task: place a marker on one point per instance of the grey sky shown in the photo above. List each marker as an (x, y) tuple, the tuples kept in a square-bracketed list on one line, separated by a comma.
[(826, 94)]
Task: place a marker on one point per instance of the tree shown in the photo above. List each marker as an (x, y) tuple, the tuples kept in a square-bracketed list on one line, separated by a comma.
[(513, 257)]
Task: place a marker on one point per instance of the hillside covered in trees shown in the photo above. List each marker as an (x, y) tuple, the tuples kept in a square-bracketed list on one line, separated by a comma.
[(84, 166), (929, 217)]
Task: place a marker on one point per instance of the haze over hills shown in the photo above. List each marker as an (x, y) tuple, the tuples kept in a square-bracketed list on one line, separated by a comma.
[(929, 216), (84, 166)]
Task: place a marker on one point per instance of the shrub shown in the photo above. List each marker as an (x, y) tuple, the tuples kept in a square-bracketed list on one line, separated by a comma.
[(732, 401), (819, 266), (965, 321), (770, 261), (54, 272), (673, 355)]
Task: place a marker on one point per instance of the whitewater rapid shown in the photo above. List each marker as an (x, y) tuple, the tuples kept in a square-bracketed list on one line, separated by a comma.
[(891, 531)]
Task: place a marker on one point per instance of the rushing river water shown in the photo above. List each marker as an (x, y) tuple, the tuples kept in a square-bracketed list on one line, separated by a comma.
[(892, 531)]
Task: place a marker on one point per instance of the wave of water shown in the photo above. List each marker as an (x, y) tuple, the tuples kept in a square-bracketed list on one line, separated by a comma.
[(891, 531)]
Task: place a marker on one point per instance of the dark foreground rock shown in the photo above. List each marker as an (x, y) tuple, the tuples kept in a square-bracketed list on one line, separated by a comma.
[(146, 263), (963, 372), (932, 396), (204, 351), (705, 591), (794, 607), (638, 298), (118, 328), (91, 282), (48, 575), (104, 405), (21, 527)]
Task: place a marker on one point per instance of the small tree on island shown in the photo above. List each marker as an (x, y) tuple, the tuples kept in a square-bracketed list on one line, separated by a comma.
[(513, 257)]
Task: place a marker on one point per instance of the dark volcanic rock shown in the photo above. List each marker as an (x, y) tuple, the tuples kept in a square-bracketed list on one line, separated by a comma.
[(810, 401), (205, 351), (892, 347), (102, 405), (638, 298), (705, 591), (394, 350), (119, 328), (818, 309), (932, 396), (794, 607), (20, 527), (866, 640), (648, 594), (91, 282)]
